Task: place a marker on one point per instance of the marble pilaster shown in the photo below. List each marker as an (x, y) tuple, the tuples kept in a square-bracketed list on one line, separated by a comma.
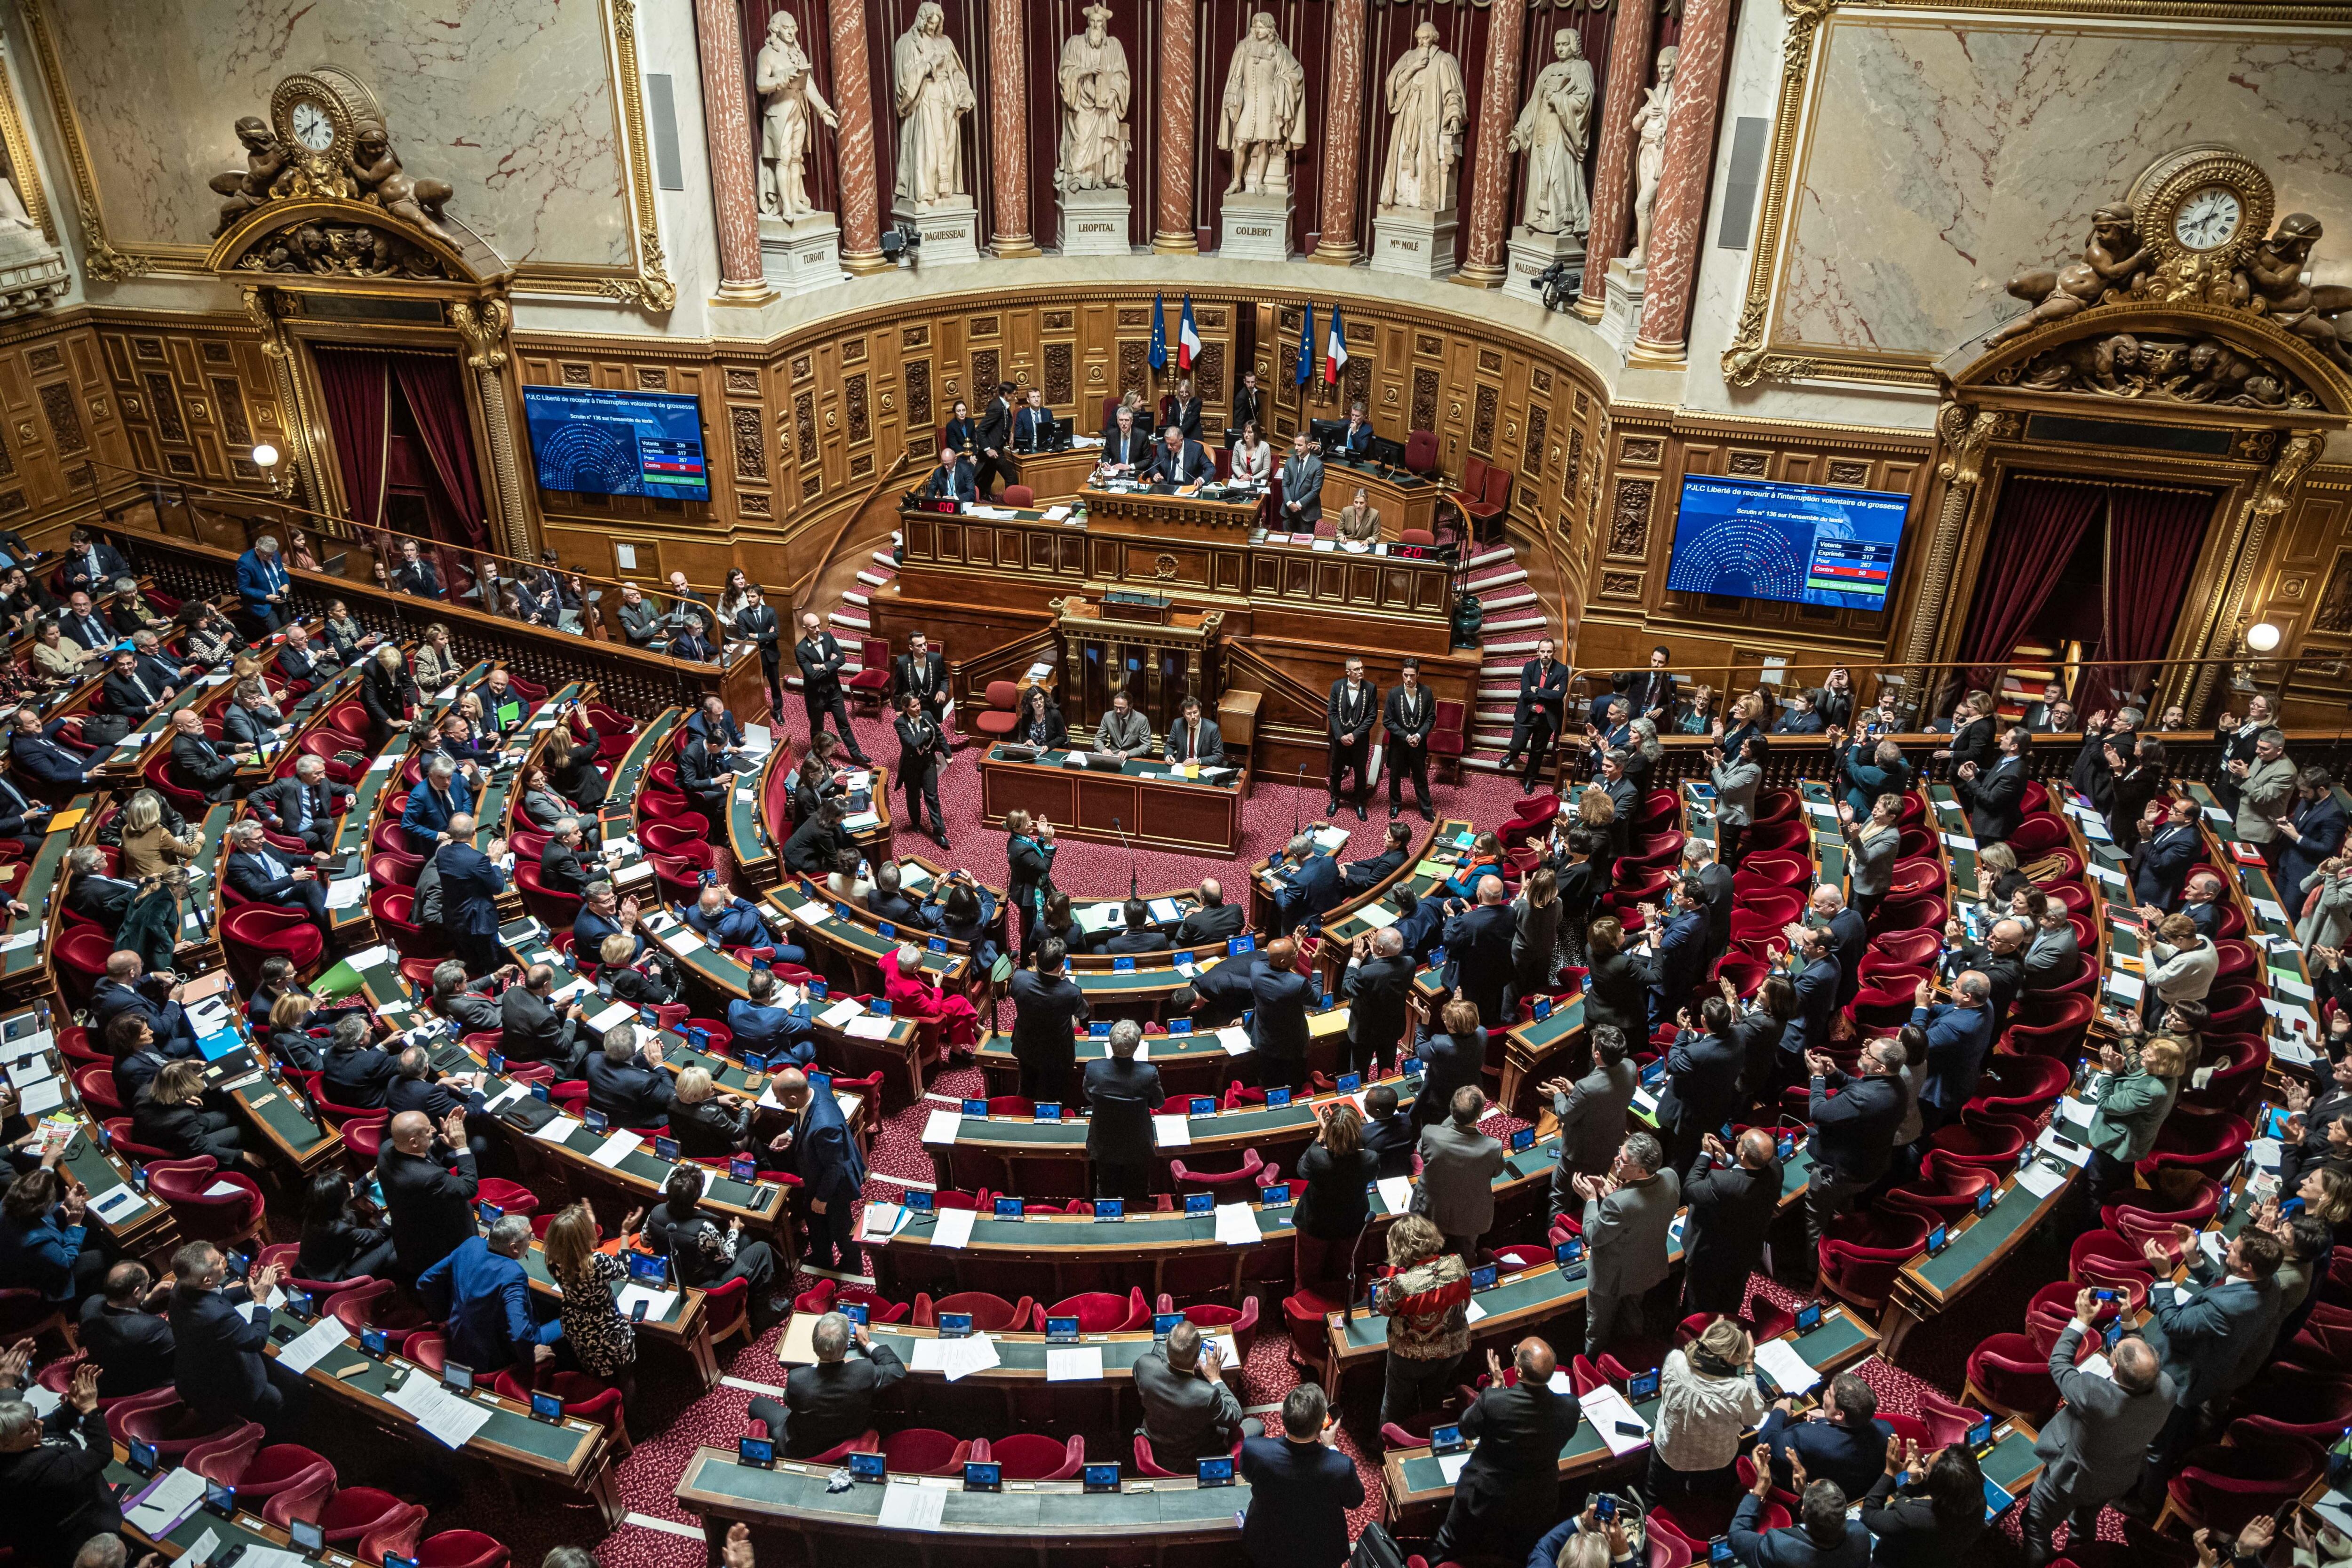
[(1613, 174), (1676, 221), (1178, 38), (1343, 124), (1008, 130), (734, 169), (1490, 165), (853, 100)]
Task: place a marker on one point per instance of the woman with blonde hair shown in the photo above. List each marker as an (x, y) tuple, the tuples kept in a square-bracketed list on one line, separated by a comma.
[(290, 1044), (1872, 844), (1425, 1302), (2136, 1093), (1535, 935), (600, 1339), (706, 1124), (1616, 989), (1707, 1398), (1698, 715), (1747, 721), (150, 849), (1998, 880), (435, 663), (1972, 732)]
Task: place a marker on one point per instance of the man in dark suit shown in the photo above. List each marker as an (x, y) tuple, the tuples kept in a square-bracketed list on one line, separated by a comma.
[(826, 1405), (703, 777), (1221, 993), (1813, 972), (533, 1031), (1281, 998), (1960, 1034), (922, 672), (1213, 919), (2161, 863), (1047, 1007), (414, 574), (90, 565), (1995, 796), (1419, 921), (299, 658), (1652, 691), (1355, 438), (429, 1186), (264, 876), (92, 894), (1306, 884), (125, 1333), (2238, 740), (1301, 1486), (250, 722), (303, 805), (888, 899), (1848, 1446), (1396, 848), (1853, 1121), (816, 844), (82, 624), (757, 620), (1349, 712), (1121, 1093), (201, 765), (1138, 935), (995, 440), (820, 656), (1823, 1536), (217, 1363), (355, 1072), (1247, 401), (1715, 890), (626, 1084), (823, 1154), (1543, 692), (1128, 446), (1478, 941), (39, 755), (2210, 1343), (1033, 424), (1509, 1490), (1378, 984), (1702, 1087), (1180, 460), (1189, 1413), (1849, 936), (2092, 1450), (561, 869), (1679, 957), (2313, 830), (434, 1095), (1193, 739), (471, 882), (482, 1293), (1731, 1199), (1410, 716), (922, 752), (128, 692)]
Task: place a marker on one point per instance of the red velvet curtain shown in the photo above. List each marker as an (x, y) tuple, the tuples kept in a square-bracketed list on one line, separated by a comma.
[(436, 403), (2036, 528), (357, 386), (2153, 538)]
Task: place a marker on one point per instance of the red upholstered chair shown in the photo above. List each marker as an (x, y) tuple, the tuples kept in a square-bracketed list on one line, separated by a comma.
[(252, 933), (1001, 715), (82, 954), (1861, 1270), (170, 1425), (379, 1306), (2207, 1143), (1241, 1183), (1449, 736), (227, 1458), (2008, 1376), (559, 910), (2221, 1486), (1240, 1321), (1100, 1312), (393, 1536), (871, 684), (353, 1512), (1421, 452), (1303, 1317), (2023, 1086), (1151, 1467), (304, 1498), (461, 1549), (394, 908), (1943, 1201), (1019, 495), (185, 1188), (1993, 1148), (926, 1451), (989, 1314), (1030, 1457)]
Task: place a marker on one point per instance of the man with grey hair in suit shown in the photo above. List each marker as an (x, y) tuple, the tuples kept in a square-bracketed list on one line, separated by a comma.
[(1591, 1114), (2092, 1450), (1459, 1164), (1626, 1216)]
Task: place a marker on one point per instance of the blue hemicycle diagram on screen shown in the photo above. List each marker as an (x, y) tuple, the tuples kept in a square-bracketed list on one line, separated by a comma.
[(1806, 544), (617, 443)]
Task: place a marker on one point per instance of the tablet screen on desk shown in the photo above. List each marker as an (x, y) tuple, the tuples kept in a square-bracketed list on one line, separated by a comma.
[(1275, 1098), (758, 1451), (1217, 1471), (869, 1467), (1049, 1111), (1162, 1325), (306, 1536), (1525, 1138), (1061, 1330), (1808, 1317), (1202, 1105), (975, 1108), (983, 1476), (1101, 1477), (1981, 1435), (1446, 1440), (1274, 1194), (1484, 1278), (1200, 1203), (1007, 1208), (1642, 1385), (955, 1325), (920, 1201), (1110, 1208), (1349, 1082)]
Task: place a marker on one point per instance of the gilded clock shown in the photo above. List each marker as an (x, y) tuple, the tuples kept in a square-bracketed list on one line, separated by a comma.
[(315, 121), (2206, 205)]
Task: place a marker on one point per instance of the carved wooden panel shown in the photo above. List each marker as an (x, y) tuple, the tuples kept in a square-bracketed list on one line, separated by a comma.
[(575, 374), (1482, 423), (1490, 362), (48, 356), (1055, 321), (1848, 472), (805, 425), (751, 443), (164, 403), (853, 349), (916, 374), (1059, 390), (984, 379), (1751, 463), (1358, 373), (1538, 422), (752, 504), (1620, 586), (1424, 398), (229, 398), (917, 336), (1575, 462), (1209, 374), (653, 378), (1629, 517), (853, 397), (1137, 316), (1134, 367), (983, 327), (64, 417), (1643, 451), (803, 366)]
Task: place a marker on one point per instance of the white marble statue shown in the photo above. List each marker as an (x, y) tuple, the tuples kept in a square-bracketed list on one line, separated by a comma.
[(11, 209), (1650, 154), (933, 94), (1094, 90), (1553, 131), (1425, 105), (789, 102), (1263, 118)]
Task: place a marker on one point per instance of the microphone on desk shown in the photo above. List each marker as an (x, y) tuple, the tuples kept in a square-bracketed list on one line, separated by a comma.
[(1119, 829)]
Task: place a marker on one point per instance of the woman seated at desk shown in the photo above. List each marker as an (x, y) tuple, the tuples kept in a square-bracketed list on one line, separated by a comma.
[(961, 910), (1253, 457), (1040, 724), (1359, 520), (1485, 860)]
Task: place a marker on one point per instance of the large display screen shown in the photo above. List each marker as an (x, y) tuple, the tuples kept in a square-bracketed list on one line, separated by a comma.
[(617, 443), (1800, 544)]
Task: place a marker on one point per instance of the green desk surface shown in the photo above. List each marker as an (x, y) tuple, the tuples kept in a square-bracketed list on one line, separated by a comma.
[(1022, 1355), (1133, 767), (287, 1121), (534, 1263), (40, 881), (2010, 1463), (652, 740), (715, 1484), (247, 1529), (1346, 921), (99, 1172), (1951, 818), (1297, 1120), (750, 835), (1983, 1242), (1161, 1050), (849, 931)]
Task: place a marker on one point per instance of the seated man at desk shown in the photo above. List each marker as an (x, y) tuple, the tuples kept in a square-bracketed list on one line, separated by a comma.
[(951, 480), (1140, 936), (641, 619), (1363, 875), (37, 753), (887, 900), (724, 920), (1193, 739), (266, 877), (202, 766), (482, 1292), (1213, 919), (1033, 424), (128, 692), (827, 1404), (533, 1029), (1359, 520), (1356, 439), (1306, 883), (1180, 461), (1189, 1410), (602, 913), (303, 805), (627, 1084), (1123, 731), (1126, 446), (763, 1026)]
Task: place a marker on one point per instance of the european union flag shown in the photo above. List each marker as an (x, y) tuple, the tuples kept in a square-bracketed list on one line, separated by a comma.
[(1158, 332), (1306, 346)]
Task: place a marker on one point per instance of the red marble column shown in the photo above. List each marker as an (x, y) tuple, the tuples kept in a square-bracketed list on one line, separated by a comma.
[(1613, 175), (1490, 165), (1179, 40), (734, 169), (1343, 125), (853, 100), (1008, 128), (1671, 265)]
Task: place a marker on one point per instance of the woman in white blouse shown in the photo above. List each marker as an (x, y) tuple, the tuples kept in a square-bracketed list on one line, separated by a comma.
[(1252, 459)]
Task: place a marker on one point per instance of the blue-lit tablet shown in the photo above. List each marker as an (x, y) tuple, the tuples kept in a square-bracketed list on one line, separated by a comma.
[(1808, 1317), (1642, 1385), (1049, 1111), (1217, 1471), (1484, 1278), (1525, 1138), (983, 1476), (869, 1467), (1446, 1440), (975, 1107), (1200, 1203), (1164, 1323), (920, 1201), (758, 1452), (1100, 1478), (955, 1325), (1275, 1098), (1274, 1193), (1349, 1082), (1007, 1208), (1061, 1330), (1110, 1208), (1202, 1105)]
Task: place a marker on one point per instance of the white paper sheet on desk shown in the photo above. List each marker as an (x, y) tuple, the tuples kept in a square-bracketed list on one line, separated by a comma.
[(1450, 1466), (810, 913), (619, 1013), (2290, 1014), (34, 1098), (2080, 1154), (1093, 918), (617, 1148), (506, 1095), (2129, 987), (1236, 1225), (1960, 841), (1604, 1407), (117, 1204), (967, 1356), (1377, 916), (1074, 1363), (931, 1355), (681, 941), (1171, 1132), (1778, 1360), (557, 1131), (21, 939), (453, 1420), (2074, 1110), (1396, 1192), (907, 1506), (2268, 911), (2099, 1366), (867, 1027), (2290, 985), (941, 1127), (1235, 1039), (1165, 911), (2112, 879), (347, 893), (1056, 513), (657, 1302), (2294, 1053), (954, 1227), (202, 1552), (1471, 1311), (2266, 1152), (168, 1504), (321, 1339), (2336, 1509), (880, 1222), (759, 739), (862, 822), (839, 1014)]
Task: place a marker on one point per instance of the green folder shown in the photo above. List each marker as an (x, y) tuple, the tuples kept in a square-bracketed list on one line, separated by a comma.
[(338, 983)]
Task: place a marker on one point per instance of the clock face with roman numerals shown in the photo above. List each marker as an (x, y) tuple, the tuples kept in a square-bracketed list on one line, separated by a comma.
[(2209, 218), (2203, 207)]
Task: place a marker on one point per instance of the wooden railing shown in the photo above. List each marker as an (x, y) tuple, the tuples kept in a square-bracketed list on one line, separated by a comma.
[(1292, 740), (969, 679)]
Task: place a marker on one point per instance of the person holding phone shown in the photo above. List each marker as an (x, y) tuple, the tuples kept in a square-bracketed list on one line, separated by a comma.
[(1301, 1487), (826, 1405), (593, 1331), (1925, 1510), (1587, 1540), (2091, 1451), (1706, 1397)]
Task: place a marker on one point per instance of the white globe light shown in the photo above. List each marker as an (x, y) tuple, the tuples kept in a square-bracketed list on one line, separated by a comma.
[(2261, 637), (265, 456)]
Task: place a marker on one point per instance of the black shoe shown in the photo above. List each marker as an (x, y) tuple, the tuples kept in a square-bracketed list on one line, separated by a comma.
[(940, 840), (1396, 809), (1526, 786), (1427, 815), (865, 762), (1361, 816), (1331, 807)]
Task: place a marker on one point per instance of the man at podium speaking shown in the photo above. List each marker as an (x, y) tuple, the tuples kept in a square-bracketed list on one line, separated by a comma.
[(1181, 462)]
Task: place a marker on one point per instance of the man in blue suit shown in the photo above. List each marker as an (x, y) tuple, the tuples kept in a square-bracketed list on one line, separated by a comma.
[(1680, 955), (1280, 997), (725, 922), (1847, 1446), (2161, 863), (951, 480), (1959, 1033), (444, 793), (264, 876), (1301, 1486), (825, 1157), (1813, 960), (217, 1364), (763, 1028), (1419, 921), (39, 755), (2213, 1344), (1823, 1538), (1306, 884), (262, 583), (483, 1293), (470, 885)]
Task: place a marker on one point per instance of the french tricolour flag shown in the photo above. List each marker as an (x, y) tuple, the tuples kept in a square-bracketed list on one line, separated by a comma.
[(1335, 350), (1188, 338)]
